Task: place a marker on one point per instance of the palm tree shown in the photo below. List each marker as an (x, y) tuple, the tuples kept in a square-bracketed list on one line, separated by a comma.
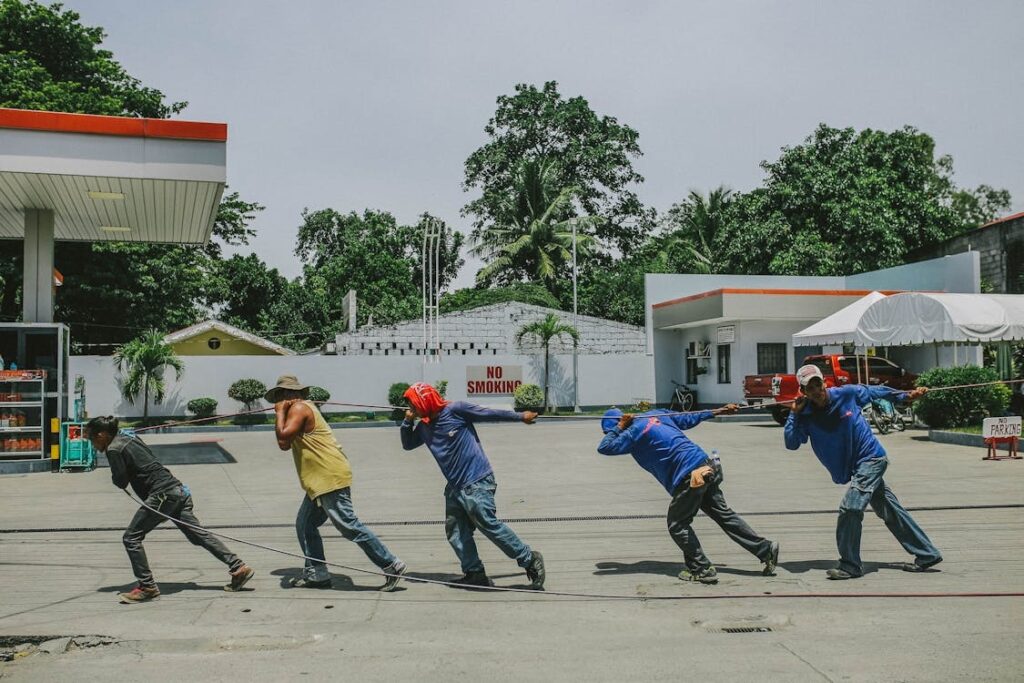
[(545, 331), (533, 237), (698, 220), (141, 363)]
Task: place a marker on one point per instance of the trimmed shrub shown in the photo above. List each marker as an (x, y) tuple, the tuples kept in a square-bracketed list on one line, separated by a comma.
[(960, 407), (202, 407), (248, 392), (319, 394), (395, 397), (528, 397)]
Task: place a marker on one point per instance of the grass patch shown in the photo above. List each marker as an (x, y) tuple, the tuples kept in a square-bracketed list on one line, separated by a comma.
[(969, 429)]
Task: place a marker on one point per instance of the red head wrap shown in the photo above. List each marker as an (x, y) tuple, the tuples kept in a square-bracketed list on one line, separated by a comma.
[(425, 400)]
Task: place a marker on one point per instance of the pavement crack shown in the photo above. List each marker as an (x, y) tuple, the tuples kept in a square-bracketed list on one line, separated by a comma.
[(201, 613), (814, 668)]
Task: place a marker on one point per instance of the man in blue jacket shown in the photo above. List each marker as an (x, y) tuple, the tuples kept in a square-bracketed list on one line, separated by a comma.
[(656, 441), (843, 441), (448, 432)]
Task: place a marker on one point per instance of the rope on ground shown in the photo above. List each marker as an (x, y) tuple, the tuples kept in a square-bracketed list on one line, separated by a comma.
[(588, 596)]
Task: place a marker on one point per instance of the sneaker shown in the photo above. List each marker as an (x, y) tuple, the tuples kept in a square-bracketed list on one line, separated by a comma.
[(535, 571), (708, 575), (838, 574), (305, 582), (915, 567), (239, 578), (772, 561), (139, 594), (395, 572), (474, 579)]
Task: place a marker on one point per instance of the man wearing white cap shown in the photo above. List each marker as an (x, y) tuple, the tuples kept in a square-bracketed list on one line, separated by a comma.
[(843, 441)]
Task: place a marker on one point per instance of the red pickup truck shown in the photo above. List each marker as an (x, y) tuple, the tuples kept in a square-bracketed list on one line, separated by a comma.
[(837, 370)]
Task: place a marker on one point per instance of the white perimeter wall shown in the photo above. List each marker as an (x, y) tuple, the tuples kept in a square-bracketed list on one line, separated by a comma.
[(605, 379)]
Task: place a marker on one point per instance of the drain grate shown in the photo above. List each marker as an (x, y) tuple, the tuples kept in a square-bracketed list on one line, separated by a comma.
[(746, 629)]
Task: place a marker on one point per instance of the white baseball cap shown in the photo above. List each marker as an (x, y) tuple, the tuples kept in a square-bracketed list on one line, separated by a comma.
[(808, 372)]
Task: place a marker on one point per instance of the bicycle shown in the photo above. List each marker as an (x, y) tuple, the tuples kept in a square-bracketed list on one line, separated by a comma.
[(885, 417), (682, 398)]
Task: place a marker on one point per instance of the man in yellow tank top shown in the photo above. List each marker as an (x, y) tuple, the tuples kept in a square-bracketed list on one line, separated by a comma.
[(326, 477)]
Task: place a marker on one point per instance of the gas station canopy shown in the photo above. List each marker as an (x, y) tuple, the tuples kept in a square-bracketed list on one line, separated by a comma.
[(91, 178), (111, 178)]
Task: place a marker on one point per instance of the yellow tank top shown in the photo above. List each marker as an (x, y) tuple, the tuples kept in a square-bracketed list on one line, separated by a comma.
[(319, 460)]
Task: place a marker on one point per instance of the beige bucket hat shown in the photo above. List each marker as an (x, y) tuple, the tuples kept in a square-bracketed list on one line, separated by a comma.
[(290, 382)]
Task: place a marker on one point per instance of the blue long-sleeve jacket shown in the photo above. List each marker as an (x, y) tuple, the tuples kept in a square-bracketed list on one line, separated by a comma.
[(453, 441), (839, 434), (657, 443)]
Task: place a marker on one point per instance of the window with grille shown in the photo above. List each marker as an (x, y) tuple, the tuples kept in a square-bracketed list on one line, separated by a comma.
[(771, 358), (724, 364)]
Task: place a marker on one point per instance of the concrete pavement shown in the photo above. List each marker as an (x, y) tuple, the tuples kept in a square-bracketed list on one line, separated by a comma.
[(63, 583)]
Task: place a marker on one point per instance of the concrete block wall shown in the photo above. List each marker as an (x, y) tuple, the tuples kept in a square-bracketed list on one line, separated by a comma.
[(490, 330)]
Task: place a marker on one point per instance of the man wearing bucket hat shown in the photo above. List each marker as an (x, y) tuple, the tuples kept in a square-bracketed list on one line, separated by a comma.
[(447, 430), (842, 440), (656, 441), (326, 477)]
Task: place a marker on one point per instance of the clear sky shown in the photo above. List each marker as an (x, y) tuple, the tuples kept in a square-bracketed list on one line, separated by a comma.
[(355, 105)]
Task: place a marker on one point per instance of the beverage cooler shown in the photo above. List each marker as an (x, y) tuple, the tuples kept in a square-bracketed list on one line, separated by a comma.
[(33, 390)]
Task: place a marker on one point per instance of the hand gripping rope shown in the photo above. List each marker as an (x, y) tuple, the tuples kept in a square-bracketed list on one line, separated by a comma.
[(586, 596)]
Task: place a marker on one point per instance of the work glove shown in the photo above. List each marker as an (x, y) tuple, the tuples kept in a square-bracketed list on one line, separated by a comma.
[(697, 476)]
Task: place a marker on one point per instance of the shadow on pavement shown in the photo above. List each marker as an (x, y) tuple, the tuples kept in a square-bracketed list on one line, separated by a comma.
[(168, 588), (339, 582)]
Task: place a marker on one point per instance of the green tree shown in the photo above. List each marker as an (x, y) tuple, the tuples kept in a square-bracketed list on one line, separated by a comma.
[(376, 256), (141, 364), (49, 61), (545, 331), (844, 201), (691, 226), (531, 238), (595, 155), (980, 205)]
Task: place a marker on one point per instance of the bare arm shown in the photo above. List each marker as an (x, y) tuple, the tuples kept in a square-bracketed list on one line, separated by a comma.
[(292, 419)]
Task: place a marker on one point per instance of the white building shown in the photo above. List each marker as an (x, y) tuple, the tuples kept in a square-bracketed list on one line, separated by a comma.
[(710, 331)]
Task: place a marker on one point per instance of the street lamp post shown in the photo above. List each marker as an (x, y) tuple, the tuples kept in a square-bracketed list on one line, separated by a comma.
[(575, 315)]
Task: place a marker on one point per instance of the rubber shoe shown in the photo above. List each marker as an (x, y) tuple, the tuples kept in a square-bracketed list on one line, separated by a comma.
[(395, 573), (139, 594), (708, 575), (772, 562), (474, 579), (239, 578), (304, 582), (917, 568), (535, 571), (840, 575)]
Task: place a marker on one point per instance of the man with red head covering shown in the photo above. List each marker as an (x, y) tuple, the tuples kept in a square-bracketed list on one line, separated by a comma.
[(448, 432)]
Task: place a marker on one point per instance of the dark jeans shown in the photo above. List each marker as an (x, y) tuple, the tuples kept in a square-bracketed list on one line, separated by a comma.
[(175, 503), (336, 506), (472, 508), (867, 487), (709, 498)]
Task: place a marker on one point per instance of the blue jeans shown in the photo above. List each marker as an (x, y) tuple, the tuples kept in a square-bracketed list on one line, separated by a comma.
[(472, 508), (867, 487), (336, 505)]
